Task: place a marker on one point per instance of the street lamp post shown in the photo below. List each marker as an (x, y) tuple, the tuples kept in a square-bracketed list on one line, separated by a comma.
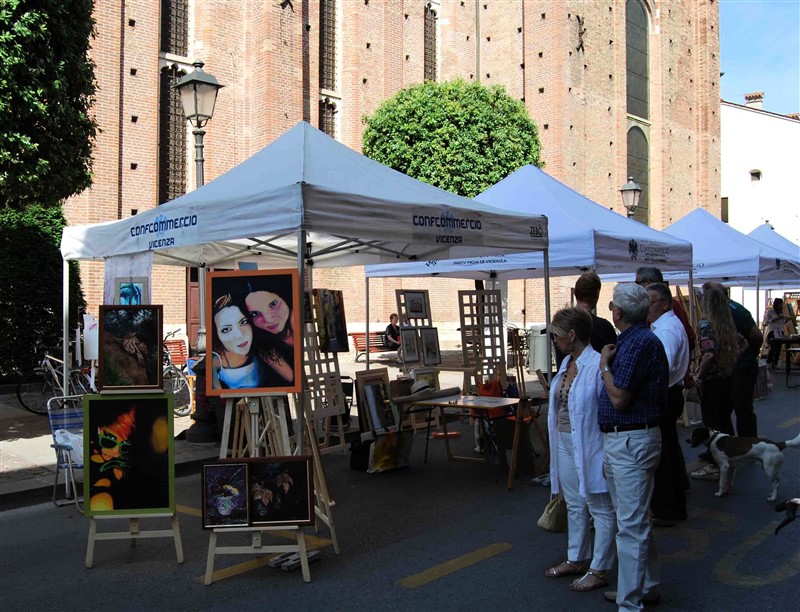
[(198, 91), (630, 191)]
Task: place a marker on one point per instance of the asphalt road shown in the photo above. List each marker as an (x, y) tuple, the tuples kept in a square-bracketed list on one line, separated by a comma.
[(435, 536)]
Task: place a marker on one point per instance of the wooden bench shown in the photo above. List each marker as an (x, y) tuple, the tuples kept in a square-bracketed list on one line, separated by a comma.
[(178, 351), (375, 343)]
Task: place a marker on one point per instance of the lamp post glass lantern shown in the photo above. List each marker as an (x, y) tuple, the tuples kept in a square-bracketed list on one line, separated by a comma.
[(631, 192), (198, 91)]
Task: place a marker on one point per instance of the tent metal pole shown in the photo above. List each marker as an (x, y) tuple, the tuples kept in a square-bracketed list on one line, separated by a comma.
[(301, 417), (366, 303), (547, 317), (65, 326), (692, 313)]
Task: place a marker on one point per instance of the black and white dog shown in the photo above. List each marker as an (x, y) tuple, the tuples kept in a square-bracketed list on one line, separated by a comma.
[(731, 452)]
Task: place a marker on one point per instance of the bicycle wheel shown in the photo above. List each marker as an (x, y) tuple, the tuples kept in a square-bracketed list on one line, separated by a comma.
[(34, 390), (176, 383)]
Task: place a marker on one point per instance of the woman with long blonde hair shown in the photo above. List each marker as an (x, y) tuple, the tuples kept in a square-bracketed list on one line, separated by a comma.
[(719, 348)]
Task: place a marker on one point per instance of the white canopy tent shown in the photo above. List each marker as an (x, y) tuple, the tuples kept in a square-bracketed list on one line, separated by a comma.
[(307, 198), (723, 253), (583, 236)]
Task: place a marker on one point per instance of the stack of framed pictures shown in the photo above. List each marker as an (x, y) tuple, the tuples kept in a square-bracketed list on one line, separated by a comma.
[(258, 492), (376, 411)]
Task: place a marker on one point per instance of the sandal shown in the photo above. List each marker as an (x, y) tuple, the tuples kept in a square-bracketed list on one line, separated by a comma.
[(591, 580), (567, 568)]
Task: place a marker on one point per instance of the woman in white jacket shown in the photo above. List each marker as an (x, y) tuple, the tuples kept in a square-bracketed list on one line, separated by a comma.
[(576, 454)]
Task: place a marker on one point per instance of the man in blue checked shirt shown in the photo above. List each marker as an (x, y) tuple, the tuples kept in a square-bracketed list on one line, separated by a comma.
[(635, 377)]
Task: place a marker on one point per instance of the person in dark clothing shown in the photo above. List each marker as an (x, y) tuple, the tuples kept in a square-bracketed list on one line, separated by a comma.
[(587, 292), (391, 337)]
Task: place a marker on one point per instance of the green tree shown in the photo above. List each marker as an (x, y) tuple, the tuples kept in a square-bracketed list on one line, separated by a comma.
[(31, 282), (47, 86), (463, 137)]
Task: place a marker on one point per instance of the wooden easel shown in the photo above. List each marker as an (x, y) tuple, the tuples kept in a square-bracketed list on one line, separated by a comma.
[(264, 428), (524, 411), (259, 423), (134, 533), (256, 547), (325, 397)]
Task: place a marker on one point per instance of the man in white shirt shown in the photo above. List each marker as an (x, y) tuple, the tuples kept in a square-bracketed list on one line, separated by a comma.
[(669, 496)]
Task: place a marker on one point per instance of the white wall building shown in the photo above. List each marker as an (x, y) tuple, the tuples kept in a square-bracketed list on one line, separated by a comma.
[(760, 153)]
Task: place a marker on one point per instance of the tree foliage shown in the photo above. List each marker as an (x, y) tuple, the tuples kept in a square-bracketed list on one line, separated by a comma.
[(31, 281), (47, 86), (463, 137)]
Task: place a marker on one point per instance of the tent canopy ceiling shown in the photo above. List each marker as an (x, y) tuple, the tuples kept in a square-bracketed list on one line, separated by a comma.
[(583, 236), (355, 211)]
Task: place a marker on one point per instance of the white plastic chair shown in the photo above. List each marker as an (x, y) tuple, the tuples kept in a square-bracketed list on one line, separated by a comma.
[(66, 415)]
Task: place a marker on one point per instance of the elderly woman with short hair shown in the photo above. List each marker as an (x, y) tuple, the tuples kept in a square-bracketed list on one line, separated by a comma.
[(576, 464)]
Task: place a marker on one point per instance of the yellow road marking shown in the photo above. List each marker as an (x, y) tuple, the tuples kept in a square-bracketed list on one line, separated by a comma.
[(188, 510), (726, 570), (454, 565), (240, 568), (790, 423)]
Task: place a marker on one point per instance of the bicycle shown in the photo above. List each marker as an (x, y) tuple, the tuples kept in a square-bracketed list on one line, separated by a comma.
[(38, 386), (175, 381)]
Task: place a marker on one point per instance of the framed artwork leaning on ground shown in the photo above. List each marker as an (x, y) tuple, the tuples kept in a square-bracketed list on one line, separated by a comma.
[(129, 455), (375, 408), (254, 332), (131, 349)]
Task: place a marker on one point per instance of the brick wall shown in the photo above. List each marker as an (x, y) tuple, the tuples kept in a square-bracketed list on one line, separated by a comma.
[(267, 58)]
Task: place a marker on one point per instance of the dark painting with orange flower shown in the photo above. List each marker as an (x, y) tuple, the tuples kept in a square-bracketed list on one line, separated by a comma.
[(253, 332), (128, 454)]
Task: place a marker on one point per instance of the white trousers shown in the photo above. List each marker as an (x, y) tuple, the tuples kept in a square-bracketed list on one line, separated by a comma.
[(579, 508), (631, 459)]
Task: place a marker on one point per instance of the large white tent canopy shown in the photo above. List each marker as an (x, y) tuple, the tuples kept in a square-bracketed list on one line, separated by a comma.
[(583, 236), (766, 234), (351, 209)]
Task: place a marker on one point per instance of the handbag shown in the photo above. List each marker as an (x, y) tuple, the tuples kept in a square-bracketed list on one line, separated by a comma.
[(554, 517)]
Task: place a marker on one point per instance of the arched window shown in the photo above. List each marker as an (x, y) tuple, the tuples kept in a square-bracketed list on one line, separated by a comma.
[(639, 169), (636, 59), (430, 50)]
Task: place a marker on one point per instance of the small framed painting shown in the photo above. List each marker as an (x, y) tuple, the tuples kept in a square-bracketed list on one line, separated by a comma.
[(128, 454), (281, 490), (132, 291), (410, 344), (225, 499), (331, 323), (131, 348), (429, 343), (416, 305)]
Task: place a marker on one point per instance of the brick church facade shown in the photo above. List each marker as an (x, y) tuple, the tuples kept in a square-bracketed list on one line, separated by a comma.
[(618, 88)]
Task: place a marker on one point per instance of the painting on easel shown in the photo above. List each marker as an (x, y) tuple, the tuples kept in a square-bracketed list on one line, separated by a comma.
[(130, 348), (281, 490), (254, 331), (128, 454), (225, 498)]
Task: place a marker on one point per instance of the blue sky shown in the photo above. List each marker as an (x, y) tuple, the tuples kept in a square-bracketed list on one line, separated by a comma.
[(760, 51)]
